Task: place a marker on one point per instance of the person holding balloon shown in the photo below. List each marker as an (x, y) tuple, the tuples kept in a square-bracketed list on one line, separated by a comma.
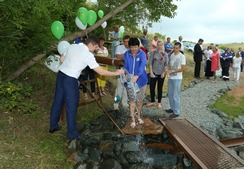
[(75, 59), (115, 36)]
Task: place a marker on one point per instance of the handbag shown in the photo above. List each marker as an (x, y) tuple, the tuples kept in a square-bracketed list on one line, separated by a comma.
[(53, 63), (219, 72)]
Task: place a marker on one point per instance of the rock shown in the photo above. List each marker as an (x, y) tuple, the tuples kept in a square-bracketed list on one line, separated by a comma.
[(81, 127), (234, 133), (74, 145), (161, 160), (219, 113), (223, 91), (94, 154), (124, 163), (240, 151), (92, 142), (92, 165), (141, 166), (241, 118), (83, 157), (241, 154), (133, 158), (110, 164), (228, 123), (131, 146), (118, 148), (107, 136), (108, 154), (80, 165), (238, 125), (229, 133), (106, 147)]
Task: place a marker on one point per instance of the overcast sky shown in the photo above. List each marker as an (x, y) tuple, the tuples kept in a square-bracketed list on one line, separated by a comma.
[(217, 21)]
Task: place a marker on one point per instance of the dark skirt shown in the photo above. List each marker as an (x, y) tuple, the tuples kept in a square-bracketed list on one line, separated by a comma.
[(208, 72)]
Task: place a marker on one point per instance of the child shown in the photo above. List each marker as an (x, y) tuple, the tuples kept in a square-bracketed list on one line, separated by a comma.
[(236, 66)]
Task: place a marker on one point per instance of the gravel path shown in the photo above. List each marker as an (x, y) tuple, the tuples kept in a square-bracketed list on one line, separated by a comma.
[(195, 103)]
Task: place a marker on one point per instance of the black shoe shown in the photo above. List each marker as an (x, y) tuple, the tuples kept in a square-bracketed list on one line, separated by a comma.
[(173, 115), (56, 129), (169, 111)]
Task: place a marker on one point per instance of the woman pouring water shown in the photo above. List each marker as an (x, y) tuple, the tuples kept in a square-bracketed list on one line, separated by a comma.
[(135, 63)]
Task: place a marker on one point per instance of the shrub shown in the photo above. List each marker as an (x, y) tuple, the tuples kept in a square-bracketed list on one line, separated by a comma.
[(15, 97)]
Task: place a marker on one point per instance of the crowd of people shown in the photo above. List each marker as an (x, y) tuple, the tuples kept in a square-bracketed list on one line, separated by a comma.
[(163, 59), (219, 62), (143, 66)]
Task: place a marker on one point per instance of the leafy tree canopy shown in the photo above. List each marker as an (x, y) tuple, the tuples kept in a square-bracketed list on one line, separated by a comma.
[(141, 12)]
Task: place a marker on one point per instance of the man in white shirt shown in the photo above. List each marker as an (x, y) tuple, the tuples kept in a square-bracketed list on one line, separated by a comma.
[(120, 88), (75, 59), (182, 45), (177, 65), (114, 35)]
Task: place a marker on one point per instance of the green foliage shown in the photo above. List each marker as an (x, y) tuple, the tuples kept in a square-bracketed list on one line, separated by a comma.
[(222, 47), (16, 98), (160, 36), (25, 28), (230, 105), (141, 12)]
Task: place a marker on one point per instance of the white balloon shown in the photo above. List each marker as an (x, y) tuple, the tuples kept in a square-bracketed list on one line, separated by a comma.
[(122, 29), (104, 24), (62, 47), (80, 24)]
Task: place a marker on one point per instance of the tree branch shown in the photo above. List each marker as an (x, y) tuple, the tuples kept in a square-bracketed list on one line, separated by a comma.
[(68, 38)]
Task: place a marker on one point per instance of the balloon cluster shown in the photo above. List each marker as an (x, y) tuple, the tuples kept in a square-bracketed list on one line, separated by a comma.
[(84, 18)]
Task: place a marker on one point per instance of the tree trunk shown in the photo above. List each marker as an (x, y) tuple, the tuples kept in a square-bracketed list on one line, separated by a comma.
[(68, 38)]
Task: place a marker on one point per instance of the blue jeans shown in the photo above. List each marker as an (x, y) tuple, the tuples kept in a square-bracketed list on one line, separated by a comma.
[(67, 92), (174, 94)]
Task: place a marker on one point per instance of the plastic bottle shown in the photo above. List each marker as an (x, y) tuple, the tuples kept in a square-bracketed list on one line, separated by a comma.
[(117, 99)]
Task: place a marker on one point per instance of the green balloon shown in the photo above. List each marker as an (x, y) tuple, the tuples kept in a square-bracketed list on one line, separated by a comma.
[(82, 14), (57, 29), (100, 14), (121, 34), (92, 17)]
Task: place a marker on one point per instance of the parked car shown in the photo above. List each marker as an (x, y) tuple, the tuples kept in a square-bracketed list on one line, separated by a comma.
[(190, 46)]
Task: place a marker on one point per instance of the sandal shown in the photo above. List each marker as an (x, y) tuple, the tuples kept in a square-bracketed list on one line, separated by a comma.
[(133, 124), (140, 121), (150, 104)]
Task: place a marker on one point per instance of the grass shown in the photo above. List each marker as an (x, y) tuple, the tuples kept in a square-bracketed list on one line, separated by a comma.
[(231, 105), (24, 138)]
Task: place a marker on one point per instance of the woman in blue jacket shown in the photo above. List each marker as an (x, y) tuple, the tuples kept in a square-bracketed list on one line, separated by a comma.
[(135, 63)]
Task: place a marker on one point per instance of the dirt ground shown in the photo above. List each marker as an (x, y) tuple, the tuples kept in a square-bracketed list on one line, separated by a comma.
[(238, 91)]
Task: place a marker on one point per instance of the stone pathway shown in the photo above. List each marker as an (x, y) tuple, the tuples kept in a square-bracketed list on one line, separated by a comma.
[(196, 103)]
